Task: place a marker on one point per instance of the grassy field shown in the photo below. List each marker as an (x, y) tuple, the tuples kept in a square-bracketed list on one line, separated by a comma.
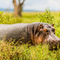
[(8, 51)]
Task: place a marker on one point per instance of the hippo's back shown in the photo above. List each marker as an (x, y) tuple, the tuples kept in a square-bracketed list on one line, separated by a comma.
[(12, 31), (17, 31)]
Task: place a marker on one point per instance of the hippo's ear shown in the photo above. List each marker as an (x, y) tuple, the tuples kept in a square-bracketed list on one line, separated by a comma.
[(52, 24)]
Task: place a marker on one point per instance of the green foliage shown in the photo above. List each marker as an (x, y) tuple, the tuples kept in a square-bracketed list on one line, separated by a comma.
[(46, 17), (8, 19), (8, 51)]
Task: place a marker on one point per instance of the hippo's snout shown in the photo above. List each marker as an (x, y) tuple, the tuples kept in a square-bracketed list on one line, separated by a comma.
[(54, 44)]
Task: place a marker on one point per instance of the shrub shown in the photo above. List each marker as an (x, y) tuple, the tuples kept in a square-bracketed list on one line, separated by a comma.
[(5, 18), (46, 17)]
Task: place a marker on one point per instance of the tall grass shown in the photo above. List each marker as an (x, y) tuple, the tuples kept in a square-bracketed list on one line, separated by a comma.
[(22, 52), (8, 51)]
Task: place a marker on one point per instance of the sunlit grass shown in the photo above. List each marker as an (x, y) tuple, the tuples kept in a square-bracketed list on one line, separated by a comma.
[(22, 52)]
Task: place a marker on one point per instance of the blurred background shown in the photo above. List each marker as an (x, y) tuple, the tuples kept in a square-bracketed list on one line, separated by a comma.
[(28, 11)]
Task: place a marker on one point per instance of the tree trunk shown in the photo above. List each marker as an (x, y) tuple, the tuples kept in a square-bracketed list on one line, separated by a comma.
[(20, 10), (15, 8)]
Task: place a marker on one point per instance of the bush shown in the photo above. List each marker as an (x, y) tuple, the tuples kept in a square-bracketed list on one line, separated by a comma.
[(46, 17), (5, 18)]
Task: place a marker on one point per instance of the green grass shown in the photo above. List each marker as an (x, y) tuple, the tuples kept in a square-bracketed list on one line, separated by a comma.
[(8, 51)]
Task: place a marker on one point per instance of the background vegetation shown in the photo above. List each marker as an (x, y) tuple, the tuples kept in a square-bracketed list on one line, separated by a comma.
[(8, 51)]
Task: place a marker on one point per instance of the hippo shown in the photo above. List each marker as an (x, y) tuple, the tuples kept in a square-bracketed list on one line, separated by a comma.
[(31, 33)]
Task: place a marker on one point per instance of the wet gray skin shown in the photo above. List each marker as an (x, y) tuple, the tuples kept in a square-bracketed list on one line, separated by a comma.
[(33, 33)]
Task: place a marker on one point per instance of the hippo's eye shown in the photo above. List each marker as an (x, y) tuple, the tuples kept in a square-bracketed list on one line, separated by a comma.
[(49, 27)]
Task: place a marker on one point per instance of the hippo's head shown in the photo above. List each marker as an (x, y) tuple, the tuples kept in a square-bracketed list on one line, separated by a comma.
[(45, 33)]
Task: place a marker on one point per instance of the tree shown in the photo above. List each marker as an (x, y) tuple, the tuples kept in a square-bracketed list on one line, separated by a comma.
[(18, 8)]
